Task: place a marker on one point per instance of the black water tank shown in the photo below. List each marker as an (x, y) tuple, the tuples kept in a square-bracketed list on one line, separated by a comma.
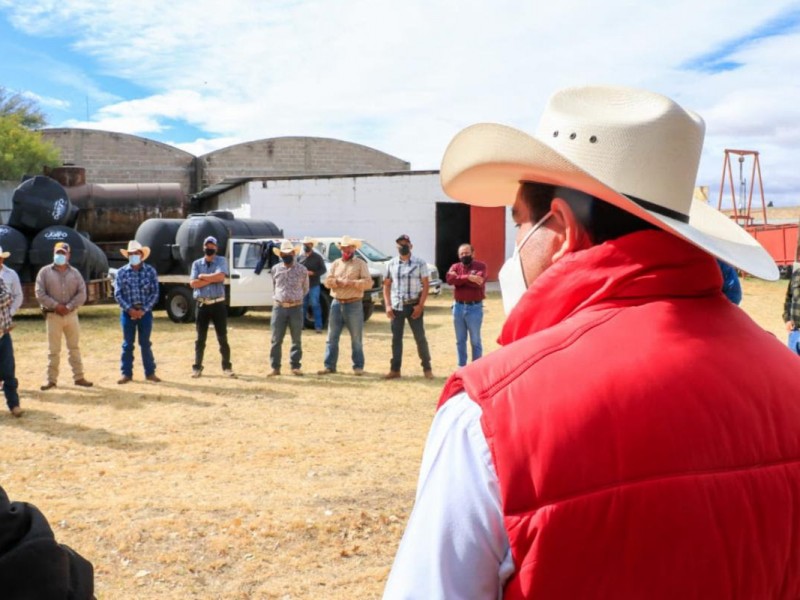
[(85, 255), (196, 228), (159, 236), (39, 202), (16, 243)]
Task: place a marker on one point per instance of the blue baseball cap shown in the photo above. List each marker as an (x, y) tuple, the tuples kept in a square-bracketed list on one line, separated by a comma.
[(210, 240)]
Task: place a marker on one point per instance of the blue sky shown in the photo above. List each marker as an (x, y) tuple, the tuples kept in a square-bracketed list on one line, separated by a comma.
[(404, 77)]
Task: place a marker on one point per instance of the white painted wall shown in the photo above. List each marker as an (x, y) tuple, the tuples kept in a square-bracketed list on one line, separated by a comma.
[(377, 208)]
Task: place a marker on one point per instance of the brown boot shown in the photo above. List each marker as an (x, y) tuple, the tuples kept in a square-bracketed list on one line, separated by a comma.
[(83, 382), (428, 374), (122, 380), (392, 375)]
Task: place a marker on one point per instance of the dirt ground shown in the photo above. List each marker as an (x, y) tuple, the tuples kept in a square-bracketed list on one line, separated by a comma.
[(287, 488)]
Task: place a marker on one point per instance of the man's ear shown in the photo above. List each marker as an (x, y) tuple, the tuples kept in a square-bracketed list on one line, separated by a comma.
[(572, 235)]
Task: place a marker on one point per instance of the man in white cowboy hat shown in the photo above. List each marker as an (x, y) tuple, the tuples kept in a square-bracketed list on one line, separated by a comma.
[(315, 265), (207, 279), (10, 301), (348, 278), (61, 291), (136, 292), (620, 444), (290, 281)]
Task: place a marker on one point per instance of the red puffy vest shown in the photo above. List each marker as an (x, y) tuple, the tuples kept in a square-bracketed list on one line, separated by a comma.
[(645, 432)]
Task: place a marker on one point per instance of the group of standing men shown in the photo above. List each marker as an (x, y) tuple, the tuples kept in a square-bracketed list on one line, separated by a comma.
[(61, 291)]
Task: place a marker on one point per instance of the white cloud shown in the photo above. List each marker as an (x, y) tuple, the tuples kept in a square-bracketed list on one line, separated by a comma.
[(404, 77)]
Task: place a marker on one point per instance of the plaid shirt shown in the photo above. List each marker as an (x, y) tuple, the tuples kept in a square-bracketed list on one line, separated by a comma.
[(406, 277), (136, 287), (791, 307), (5, 309)]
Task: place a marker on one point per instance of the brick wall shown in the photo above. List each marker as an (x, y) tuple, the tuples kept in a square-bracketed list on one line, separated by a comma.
[(110, 157)]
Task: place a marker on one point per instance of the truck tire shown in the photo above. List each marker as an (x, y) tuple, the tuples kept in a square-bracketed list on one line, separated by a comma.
[(237, 311), (369, 307), (180, 304), (325, 305)]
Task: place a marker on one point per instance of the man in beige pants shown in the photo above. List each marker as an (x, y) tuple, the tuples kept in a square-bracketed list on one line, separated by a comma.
[(60, 291)]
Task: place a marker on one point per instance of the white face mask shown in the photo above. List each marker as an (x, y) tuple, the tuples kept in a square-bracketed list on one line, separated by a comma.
[(135, 259), (511, 276)]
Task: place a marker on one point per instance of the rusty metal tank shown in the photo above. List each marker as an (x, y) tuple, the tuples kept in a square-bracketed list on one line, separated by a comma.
[(112, 212)]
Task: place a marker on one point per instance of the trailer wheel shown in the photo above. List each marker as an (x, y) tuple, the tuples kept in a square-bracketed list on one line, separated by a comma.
[(237, 311), (180, 305)]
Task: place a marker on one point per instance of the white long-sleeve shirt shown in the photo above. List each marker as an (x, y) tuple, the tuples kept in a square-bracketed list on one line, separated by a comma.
[(455, 545)]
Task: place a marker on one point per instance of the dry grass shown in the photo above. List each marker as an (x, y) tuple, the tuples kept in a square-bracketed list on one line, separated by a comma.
[(295, 487)]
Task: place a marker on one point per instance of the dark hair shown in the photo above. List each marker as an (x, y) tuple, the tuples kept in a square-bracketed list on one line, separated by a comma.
[(601, 220)]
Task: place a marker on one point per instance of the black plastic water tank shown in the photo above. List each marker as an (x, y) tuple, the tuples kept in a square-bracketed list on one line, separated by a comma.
[(85, 255), (37, 203), (159, 236), (15, 242), (190, 235)]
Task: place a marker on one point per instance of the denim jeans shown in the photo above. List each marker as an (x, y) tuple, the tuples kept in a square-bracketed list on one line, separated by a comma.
[(130, 327), (418, 329), (218, 314), (8, 371), (280, 319), (312, 298), (467, 319), (794, 341), (350, 315)]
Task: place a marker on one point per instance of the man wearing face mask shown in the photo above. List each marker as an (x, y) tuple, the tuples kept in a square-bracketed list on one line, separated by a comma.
[(348, 278), (315, 265), (468, 278), (207, 280), (136, 292), (10, 301), (290, 280), (620, 433), (61, 291), (405, 291)]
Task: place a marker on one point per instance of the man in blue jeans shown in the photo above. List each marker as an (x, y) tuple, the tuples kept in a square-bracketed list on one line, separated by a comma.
[(314, 263), (468, 278), (791, 310), (348, 278), (136, 292), (290, 282)]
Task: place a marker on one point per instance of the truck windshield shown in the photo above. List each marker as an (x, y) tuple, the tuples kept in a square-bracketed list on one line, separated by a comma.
[(372, 253)]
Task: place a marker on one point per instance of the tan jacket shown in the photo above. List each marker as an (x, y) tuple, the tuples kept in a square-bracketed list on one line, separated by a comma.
[(354, 270), (54, 287)]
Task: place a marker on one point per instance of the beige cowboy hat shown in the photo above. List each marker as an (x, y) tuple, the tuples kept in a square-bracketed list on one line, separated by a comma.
[(4, 254), (309, 240), (637, 150), (346, 240), (286, 247), (134, 246)]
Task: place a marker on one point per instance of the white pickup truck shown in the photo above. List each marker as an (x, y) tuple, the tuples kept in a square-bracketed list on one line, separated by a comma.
[(244, 289), (375, 259)]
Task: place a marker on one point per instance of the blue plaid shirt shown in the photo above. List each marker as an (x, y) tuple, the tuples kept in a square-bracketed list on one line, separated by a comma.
[(201, 265), (406, 277), (136, 287)]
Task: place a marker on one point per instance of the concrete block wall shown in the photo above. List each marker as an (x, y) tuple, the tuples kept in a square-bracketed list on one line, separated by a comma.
[(110, 157), (289, 156)]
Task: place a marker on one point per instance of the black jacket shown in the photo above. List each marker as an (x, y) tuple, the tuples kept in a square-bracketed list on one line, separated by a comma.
[(32, 564)]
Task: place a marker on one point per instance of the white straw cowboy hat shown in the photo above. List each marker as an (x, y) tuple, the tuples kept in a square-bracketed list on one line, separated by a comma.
[(134, 246), (4, 254), (286, 247), (634, 149), (346, 240), (309, 240)]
